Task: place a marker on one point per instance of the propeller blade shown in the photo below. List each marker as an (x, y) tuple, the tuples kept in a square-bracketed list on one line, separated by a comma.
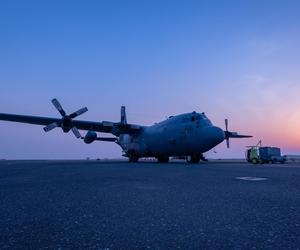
[(108, 139), (58, 107), (51, 126), (239, 136), (123, 115), (78, 112), (76, 132), (227, 142), (226, 124)]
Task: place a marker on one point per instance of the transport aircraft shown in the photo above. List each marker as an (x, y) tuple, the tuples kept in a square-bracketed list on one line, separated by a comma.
[(186, 135)]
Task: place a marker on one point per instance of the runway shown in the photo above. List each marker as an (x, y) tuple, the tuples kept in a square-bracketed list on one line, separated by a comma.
[(119, 205)]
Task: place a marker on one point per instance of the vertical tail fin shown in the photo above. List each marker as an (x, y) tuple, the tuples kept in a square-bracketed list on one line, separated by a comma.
[(123, 115)]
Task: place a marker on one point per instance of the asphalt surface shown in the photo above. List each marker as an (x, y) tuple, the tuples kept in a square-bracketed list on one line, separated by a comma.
[(118, 205)]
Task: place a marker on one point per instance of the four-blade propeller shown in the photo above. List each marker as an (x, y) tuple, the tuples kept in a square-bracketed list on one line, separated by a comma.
[(66, 123), (229, 134)]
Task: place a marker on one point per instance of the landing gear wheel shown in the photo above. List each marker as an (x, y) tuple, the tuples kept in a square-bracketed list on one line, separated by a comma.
[(202, 158), (163, 159), (254, 161), (133, 157), (193, 158)]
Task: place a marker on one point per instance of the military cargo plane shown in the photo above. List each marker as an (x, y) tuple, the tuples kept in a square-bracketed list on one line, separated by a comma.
[(186, 135)]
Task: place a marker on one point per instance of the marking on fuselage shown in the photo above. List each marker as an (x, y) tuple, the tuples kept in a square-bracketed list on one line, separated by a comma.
[(251, 178)]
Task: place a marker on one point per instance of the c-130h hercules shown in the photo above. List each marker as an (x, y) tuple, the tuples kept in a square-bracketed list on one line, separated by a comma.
[(186, 135)]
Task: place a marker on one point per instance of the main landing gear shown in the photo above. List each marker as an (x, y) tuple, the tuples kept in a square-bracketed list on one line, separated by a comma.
[(133, 156), (163, 159), (191, 159), (195, 158)]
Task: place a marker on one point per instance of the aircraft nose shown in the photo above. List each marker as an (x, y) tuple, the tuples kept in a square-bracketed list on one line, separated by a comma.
[(217, 135)]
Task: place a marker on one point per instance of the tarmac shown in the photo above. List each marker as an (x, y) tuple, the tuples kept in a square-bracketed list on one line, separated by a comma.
[(146, 205)]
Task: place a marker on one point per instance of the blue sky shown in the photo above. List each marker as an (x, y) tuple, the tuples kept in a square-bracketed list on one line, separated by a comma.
[(231, 59)]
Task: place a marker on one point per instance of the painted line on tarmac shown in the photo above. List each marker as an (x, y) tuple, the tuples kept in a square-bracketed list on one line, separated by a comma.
[(251, 178)]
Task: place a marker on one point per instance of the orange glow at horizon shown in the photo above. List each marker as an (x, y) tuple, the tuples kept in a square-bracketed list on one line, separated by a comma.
[(277, 130)]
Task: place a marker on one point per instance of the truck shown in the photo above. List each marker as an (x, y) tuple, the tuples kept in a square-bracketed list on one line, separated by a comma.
[(258, 154)]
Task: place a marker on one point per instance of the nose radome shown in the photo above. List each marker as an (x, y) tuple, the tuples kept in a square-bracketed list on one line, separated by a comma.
[(217, 134)]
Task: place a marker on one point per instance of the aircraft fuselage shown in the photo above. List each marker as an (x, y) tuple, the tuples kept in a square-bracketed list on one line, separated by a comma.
[(180, 135)]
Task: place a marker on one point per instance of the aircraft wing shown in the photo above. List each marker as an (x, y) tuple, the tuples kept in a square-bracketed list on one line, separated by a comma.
[(105, 127), (28, 119)]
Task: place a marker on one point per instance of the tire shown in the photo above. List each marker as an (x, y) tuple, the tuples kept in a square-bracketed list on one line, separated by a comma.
[(133, 157), (163, 159), (193, 159), (254, 161), (202, 158)]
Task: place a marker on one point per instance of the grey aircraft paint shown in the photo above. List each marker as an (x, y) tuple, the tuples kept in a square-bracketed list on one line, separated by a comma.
[(179, 135)]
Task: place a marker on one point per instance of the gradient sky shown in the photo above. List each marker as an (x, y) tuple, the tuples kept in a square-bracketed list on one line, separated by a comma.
[(232, 59)]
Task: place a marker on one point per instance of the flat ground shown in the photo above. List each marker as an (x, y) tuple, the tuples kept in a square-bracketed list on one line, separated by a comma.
[(118, 205)]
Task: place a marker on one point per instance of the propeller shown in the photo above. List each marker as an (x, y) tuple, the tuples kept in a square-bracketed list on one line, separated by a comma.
[(66, 123), (229, 134)]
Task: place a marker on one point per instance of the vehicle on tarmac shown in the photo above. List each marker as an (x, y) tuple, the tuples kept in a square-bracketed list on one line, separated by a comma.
[(258, 154), (186, 135)]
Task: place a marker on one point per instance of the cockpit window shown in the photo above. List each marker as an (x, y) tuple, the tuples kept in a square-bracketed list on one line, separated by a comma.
[(203, 116), (192, 118)]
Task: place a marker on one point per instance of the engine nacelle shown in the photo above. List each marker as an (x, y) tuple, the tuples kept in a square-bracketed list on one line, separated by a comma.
[(90, 137)]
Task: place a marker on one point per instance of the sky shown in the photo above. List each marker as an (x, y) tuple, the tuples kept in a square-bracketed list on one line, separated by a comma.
[(230, 59)]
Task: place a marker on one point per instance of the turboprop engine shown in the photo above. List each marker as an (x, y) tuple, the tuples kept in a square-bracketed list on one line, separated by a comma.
[(90, 137)]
